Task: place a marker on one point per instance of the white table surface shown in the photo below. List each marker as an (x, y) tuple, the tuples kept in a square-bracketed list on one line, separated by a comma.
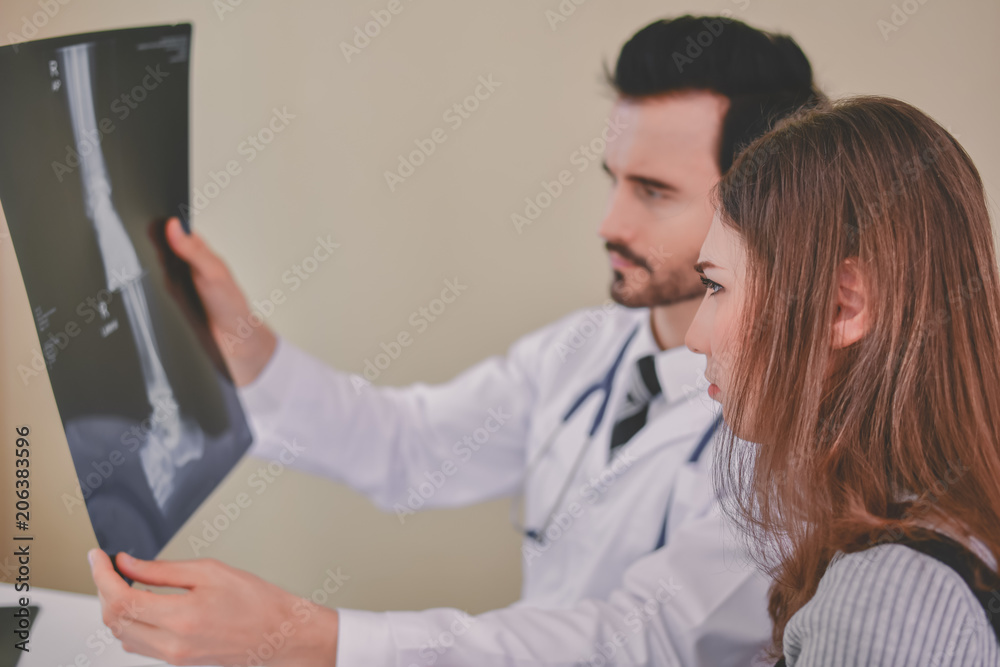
[(68, 632)]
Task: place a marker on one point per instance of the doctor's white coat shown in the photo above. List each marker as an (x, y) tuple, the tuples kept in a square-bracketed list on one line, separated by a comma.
[(596, 591)]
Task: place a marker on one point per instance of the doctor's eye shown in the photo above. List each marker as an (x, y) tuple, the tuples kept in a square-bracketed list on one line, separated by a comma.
[(650, 192), (710, 284)]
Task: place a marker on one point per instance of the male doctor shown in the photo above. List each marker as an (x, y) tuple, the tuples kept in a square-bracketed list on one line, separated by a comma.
[(599, 420)]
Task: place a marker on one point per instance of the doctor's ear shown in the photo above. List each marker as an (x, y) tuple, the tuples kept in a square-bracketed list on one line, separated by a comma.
[(853, 312)]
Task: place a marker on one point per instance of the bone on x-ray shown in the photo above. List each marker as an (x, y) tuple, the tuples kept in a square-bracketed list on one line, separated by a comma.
[(95, 136)]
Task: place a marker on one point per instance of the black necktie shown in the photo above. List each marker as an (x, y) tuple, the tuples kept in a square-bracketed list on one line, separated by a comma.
[(643, 387)]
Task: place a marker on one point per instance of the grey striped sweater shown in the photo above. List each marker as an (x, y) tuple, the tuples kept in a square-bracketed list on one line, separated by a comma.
[(891, 606)]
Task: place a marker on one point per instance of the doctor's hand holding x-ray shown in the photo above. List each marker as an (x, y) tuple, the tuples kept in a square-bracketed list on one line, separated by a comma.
[(598, 423)]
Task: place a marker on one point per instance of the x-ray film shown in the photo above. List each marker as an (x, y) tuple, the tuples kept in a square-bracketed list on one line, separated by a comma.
[(93, 161)]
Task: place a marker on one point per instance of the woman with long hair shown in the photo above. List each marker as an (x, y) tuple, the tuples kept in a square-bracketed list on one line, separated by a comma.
[(852, 329)]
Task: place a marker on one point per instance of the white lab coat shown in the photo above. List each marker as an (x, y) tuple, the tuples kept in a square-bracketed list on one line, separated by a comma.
[(598, 585)]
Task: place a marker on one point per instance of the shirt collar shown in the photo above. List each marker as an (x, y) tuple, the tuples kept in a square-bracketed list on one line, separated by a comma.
[(680, 371)]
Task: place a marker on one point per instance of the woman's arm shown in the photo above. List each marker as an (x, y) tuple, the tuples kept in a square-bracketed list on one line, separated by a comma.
[(890, 606)]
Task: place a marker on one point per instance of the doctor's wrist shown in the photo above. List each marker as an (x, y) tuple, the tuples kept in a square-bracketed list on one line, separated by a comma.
[(314, 644), (247, 357)]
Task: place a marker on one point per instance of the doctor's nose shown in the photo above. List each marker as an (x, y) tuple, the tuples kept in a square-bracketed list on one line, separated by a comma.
[(617, 225)]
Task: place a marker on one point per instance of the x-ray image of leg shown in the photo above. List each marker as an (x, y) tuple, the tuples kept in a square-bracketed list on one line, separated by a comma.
[(173, 440)]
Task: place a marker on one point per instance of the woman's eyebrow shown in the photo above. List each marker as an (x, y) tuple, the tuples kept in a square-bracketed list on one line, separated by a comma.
[(701, 266)]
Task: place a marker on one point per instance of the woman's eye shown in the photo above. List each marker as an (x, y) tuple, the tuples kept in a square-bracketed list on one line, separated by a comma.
[(710, 284)]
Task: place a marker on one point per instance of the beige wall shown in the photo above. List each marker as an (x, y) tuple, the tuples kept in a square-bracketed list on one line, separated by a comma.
[(323, 175)]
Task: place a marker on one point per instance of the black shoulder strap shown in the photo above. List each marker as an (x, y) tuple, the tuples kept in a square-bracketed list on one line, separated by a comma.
[(962, 561)]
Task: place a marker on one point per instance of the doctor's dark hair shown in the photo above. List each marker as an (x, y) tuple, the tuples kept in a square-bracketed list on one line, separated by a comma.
[(899, 430), (765, 76)]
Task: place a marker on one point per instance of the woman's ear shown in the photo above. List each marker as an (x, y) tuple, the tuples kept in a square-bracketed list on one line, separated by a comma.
[(851, 319)]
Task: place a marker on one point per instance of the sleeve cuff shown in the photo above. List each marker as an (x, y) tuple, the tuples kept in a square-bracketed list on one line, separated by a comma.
[(269, 387), (364, 640), (265, 399)]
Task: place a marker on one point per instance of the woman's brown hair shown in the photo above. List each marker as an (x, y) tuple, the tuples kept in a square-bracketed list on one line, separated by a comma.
[(899, 432)]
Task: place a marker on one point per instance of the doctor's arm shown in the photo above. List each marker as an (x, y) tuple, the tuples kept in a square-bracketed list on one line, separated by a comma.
[(696, 601), (465, 438)]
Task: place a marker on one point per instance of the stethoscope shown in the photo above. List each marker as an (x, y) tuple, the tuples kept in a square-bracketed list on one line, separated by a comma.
[(602, 385)]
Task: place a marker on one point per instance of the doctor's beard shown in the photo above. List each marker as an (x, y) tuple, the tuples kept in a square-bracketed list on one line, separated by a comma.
[(671, 282)]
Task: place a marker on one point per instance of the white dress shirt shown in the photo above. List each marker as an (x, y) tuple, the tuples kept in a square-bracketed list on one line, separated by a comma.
[(597, 584)]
